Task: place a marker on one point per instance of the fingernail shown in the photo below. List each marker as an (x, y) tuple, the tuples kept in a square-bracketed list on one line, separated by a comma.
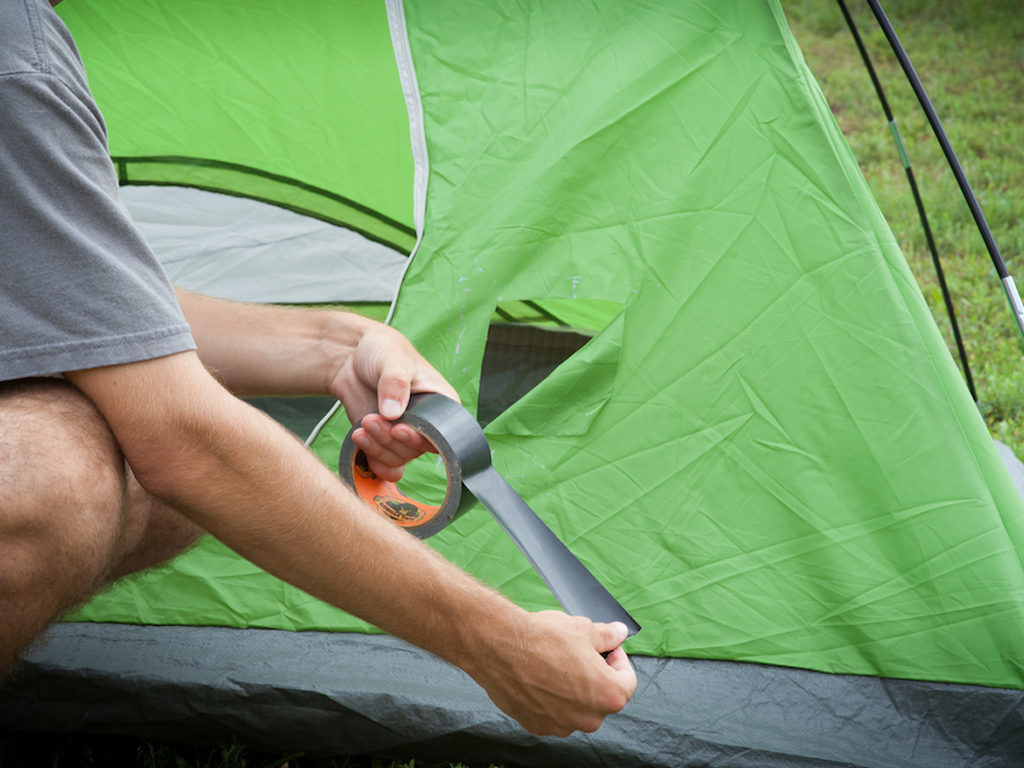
[(623, 630), (372, 427), (390, 408)]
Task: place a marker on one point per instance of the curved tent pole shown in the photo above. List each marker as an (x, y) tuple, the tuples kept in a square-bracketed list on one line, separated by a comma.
[(905, 158), (972, 202)]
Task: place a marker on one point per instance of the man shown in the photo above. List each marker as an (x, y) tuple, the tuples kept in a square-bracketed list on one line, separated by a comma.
[(117, 466)]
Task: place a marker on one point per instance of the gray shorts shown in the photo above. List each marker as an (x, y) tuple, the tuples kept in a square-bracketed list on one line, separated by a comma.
[(79, 287)]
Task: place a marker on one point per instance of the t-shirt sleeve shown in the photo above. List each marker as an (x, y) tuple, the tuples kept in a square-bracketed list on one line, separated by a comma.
[(79, 287)]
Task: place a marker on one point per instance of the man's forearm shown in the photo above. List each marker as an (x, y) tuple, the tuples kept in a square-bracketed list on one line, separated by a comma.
[(248, 482), (262, 349)]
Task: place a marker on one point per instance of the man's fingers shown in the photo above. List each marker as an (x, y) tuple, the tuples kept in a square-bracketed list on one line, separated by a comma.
[(412, 441), (393, 389), (611, 637), (390, 469), (389, 447), (386, 457), (392, 443), (609, 640), (608, 637), (619, 661)]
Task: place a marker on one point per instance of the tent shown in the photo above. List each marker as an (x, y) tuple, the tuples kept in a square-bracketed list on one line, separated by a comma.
[(635, 240)]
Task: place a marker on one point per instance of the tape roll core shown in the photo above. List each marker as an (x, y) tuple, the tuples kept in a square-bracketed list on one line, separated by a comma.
[(389, 500)]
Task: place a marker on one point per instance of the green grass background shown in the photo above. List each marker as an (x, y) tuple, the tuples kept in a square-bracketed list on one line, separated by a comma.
[(970, 55), (101, 751)]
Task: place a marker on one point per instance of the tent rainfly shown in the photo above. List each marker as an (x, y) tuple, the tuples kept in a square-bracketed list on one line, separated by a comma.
[(635, 240)]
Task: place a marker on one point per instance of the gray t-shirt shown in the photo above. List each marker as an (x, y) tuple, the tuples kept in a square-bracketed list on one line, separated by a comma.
[(79, 287)]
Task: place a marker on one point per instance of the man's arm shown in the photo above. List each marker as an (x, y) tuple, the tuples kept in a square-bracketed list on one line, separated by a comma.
[(258, 349), (243, 478)]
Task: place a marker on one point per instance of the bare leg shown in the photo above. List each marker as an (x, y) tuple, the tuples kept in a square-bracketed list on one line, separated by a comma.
[(72, 516)]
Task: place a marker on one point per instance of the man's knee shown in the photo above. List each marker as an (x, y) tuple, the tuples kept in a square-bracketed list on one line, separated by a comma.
[(63, 486), (67, 498)]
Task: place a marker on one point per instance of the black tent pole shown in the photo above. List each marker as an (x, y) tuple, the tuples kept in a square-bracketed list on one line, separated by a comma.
[(972, 202), (905, 158)]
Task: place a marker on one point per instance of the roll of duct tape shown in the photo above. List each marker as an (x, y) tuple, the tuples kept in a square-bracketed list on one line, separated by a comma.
[(470, 478), (462, 447)]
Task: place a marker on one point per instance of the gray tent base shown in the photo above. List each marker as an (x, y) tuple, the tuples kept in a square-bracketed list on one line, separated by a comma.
[(325, 693)]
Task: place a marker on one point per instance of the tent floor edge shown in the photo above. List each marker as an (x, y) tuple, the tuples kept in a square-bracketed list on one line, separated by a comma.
[(352, 694)]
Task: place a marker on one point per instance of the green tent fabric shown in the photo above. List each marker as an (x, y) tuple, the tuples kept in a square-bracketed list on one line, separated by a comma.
[(765, 451), (768, 454), (783, 466), (239, 101)]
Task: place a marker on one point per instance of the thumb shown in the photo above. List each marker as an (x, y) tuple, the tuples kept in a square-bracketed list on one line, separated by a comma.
[(608, 637), (392, 393)]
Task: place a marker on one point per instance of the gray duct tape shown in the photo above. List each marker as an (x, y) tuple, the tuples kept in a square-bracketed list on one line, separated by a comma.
[(467, 458)]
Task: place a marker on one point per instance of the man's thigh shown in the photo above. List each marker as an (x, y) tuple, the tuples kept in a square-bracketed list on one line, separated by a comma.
[(63, 494)]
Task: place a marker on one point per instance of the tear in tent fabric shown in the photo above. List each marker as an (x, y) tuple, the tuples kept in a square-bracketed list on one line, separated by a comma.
[(763, 447)]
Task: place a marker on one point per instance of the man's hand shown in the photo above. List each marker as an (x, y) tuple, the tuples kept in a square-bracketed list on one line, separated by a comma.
[(552, 678), (374, 383)]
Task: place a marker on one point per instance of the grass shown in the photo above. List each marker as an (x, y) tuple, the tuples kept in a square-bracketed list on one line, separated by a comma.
[(98, 751), (970, 57)]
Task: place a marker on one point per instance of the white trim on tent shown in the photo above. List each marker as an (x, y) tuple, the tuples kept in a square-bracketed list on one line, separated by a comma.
[(246, 250), (417, 130), (414, 105), (418, 140), (321, 423)]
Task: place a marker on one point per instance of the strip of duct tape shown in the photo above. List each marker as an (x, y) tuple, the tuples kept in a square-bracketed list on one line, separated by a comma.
[(470, 476)]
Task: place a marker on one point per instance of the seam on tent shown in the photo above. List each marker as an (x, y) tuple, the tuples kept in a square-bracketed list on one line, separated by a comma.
[(335, 222), (123, 162), (417, 139), (417, 133)]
